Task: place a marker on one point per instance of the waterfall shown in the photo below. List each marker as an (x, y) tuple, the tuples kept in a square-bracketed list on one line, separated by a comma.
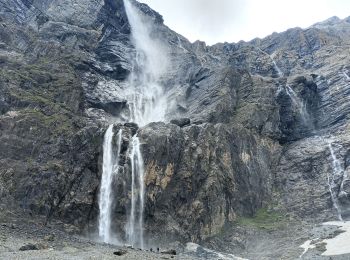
[(279, 90), (108, 170), (147, 103), (299, 104), (277, 69), (147, 100), (336, 173), (134, 228), (180, 44)]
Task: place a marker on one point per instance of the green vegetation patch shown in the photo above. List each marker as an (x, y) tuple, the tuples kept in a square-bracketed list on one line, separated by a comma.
[(57, 124), (48, 84), (264, 219)]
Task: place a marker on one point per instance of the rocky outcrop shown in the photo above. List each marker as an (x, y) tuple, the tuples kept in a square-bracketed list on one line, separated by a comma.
[(201, 177), (49, 148), (248, 125)]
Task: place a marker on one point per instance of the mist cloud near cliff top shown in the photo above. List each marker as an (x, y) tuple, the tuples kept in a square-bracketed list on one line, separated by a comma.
[(234, 20)]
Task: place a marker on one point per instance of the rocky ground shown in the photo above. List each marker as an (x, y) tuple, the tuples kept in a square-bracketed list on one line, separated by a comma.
[(259, 239), (25, 237), (266, 236)]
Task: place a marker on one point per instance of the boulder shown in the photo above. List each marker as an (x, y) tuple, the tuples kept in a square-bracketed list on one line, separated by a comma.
[(31, 246), (120, 252), (169, 252), (181, 122)]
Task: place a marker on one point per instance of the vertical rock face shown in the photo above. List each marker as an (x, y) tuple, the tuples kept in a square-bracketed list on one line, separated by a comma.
[(200, 177), (259, 117)]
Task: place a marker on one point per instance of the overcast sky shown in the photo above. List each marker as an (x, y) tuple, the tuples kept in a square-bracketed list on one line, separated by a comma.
[(234, 20)]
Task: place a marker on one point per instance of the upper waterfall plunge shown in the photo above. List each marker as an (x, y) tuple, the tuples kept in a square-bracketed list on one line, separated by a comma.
[(299, 104), (276, 68), (106, 190), (146, 97), (279, 71)]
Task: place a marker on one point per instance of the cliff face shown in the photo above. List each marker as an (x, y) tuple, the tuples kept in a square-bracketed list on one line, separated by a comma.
[(267, 119)]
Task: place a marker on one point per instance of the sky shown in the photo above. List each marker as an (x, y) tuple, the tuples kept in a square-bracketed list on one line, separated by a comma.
[(215, 21)]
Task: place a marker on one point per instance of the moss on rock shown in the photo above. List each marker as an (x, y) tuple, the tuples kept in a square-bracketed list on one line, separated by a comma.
[(264, 219)]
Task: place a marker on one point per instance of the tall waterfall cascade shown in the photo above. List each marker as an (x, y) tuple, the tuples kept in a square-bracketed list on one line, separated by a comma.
[(337, 172), (147, 103), (147, 99), (109, 169), (134, 228)]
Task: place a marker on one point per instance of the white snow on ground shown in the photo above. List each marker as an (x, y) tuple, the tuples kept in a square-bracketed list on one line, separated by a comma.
[(307, 245), (205, 252), (340, 244)]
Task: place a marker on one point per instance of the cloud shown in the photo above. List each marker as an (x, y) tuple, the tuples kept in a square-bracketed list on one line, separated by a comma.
[(200, 19), (213, 18), (233, 20)]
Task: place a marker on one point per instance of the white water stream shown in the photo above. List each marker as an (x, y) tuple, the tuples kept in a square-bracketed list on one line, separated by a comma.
[(109, 169), (277, 69), (339, 244), (147, 103), (134, 227), (180, 45), (337, 172), (300, 105)]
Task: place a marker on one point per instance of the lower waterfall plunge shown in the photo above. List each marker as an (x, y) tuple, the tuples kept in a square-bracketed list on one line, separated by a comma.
[(134, 228), (336, 173), (109, 168)]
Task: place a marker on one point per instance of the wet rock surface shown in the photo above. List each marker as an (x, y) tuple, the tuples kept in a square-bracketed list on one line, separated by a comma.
[(249, 126)]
